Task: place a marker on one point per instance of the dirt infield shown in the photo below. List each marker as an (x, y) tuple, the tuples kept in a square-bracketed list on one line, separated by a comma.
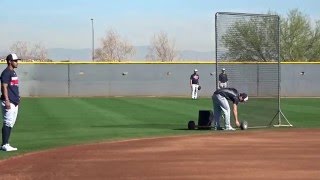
[(256, 154)]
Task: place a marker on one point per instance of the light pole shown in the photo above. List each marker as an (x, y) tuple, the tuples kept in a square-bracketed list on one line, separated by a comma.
[(92, 40)]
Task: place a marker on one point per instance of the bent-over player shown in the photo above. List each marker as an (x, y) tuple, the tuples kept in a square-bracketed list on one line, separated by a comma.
[(220, 103)]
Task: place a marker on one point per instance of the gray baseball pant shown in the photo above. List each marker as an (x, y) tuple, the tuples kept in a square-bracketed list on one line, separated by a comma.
[(220, 104)]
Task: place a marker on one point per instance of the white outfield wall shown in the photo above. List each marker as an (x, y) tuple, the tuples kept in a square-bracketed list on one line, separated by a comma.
[(148, 79)]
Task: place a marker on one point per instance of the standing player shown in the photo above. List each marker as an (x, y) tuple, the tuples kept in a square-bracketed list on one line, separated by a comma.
[(194, 84), (220, 103), (223, 79), (10, 100)]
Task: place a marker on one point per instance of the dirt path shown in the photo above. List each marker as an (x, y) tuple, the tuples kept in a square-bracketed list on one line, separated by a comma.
[(258, 154)]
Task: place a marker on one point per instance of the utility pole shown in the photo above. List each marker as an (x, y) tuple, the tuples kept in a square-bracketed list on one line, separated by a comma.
[(92, 40)]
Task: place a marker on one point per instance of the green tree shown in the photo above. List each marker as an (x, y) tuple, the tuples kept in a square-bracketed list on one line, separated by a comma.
[(255, 38), (313, 48), (296, 34), (252, 38)]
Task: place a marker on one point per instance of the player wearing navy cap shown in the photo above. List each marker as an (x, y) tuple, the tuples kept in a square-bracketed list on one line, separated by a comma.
[(220, 103), (223, 79), (10, 100), (194, 84)]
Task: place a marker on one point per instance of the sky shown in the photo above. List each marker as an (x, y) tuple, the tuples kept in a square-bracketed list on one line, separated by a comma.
[(188, 23)]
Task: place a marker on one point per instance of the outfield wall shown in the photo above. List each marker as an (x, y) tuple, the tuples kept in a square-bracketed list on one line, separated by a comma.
[(300, 79), (148, 79)]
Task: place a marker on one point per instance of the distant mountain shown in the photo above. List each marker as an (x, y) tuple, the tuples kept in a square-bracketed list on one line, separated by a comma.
[(196, 55), (140, 53), (85, 55), (62, 54), (189, 55), (3, 54)]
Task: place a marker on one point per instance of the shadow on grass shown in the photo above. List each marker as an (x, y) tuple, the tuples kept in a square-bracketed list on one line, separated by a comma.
[(181, 129), (142, 126), (186, 129), (176, 127)]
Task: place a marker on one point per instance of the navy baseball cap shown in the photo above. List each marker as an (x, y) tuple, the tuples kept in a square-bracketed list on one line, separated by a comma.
[(244, 96), (12, 57)]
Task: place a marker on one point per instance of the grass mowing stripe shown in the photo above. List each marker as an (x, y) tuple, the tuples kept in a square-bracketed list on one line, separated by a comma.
[(52, 122), (302, 112), (182, 109), (103, 111)]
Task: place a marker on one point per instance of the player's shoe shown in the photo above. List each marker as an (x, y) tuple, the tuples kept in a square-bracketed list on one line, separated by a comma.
[(7, 147), (230, 129), (218, 128)]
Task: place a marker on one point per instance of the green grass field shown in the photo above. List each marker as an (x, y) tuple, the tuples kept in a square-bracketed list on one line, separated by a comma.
[(45, 123)]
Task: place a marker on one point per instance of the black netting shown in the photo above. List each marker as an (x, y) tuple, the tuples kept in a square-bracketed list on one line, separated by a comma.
[(247, 46)]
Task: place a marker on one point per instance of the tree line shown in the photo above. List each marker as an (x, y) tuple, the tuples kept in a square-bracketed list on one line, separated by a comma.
[(248, 40), (113, 48), (256, 39), (116, 49), (30, 52)]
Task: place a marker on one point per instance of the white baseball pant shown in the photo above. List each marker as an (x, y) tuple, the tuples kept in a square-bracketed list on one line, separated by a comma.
[(223, 85), (9, 115), (194, 92)]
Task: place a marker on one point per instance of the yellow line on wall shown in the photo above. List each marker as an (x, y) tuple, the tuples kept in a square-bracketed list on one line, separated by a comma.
[(142, 62)]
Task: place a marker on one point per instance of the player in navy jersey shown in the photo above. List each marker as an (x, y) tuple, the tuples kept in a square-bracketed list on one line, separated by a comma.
[(220, 103), (194, 83), (223, 79), (10, 100)]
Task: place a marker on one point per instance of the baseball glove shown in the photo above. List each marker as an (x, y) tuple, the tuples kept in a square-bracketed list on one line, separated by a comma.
[(199, 87)]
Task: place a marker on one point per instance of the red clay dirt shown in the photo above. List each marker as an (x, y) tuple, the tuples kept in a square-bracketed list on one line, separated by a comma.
[(253, 154)]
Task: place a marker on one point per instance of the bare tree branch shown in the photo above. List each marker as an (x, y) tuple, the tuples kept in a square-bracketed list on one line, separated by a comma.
[(23, 49), (114, 48), (161, 48), (39, 52)]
